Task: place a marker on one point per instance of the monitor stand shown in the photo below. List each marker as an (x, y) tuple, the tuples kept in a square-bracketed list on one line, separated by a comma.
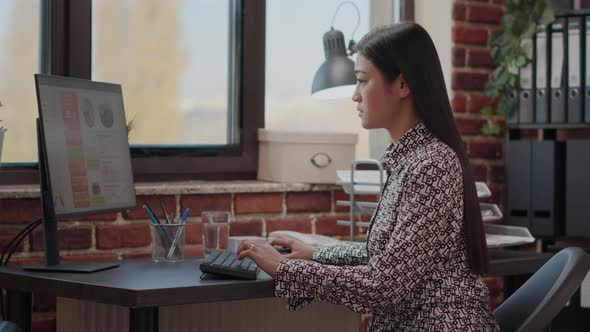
[(50, 225), (72, 267)]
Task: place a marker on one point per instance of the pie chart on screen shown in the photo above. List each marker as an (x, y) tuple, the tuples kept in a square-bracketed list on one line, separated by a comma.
[(88, 112), (106, 115)]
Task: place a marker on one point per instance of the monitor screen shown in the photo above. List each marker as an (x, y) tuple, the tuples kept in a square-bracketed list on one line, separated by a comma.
[(88, 163)]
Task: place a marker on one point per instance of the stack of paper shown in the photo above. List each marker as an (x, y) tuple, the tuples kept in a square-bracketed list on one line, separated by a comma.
[(490, 212), (505, 236)]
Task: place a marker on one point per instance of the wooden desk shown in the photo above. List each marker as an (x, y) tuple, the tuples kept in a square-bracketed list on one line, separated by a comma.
[(152, 293)]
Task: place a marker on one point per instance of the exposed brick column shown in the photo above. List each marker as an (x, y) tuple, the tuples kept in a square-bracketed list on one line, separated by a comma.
[(473, 24)]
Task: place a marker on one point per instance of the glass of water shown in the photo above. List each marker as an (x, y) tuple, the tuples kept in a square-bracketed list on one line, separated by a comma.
[(215, 230)]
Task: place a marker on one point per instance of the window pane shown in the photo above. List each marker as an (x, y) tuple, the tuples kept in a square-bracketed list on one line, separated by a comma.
[(171, 58), (294, 52), (19, 37)]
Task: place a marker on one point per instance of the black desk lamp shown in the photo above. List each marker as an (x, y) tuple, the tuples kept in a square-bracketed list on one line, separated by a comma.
[(335, 78)]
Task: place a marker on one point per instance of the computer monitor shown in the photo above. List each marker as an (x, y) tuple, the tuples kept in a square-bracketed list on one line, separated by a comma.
[(84, 158)]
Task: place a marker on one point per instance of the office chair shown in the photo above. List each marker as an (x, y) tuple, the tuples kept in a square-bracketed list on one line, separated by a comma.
[(538, 301), (8, 327)]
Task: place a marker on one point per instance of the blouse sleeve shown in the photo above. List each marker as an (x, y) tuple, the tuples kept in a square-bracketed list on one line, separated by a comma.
[(426, 223), (346, 253)]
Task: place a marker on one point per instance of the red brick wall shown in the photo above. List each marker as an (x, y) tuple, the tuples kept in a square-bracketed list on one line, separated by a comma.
[(473, 24), (127, 235)]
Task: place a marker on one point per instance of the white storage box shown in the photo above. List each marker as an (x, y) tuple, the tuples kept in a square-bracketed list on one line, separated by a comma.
[(300, 156)]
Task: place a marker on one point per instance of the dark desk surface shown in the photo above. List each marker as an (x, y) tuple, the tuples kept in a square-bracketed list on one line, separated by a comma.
[(511, 262), (143, 283), (139, 283)]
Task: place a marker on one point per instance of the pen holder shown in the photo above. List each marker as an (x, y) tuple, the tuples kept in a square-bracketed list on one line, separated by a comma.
[(168, 242)]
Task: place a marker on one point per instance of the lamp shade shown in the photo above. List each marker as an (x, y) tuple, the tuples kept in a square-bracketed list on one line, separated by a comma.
[(335, 78)]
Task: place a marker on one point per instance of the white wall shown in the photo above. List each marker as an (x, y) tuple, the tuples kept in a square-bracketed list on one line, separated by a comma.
[(295, 111), (436, 18)]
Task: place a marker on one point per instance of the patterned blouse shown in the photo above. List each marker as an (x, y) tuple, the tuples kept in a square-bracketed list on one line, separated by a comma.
[(412, 273)]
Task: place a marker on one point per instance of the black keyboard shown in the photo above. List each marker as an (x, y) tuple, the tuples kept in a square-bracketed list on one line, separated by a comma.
[(227, 263)]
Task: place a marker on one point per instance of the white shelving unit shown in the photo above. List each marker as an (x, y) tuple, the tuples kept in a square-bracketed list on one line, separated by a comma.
[(371, 182), (360, 182)]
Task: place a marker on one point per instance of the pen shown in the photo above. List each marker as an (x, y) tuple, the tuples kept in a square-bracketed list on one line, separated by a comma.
[(156, 223), (151, 215), (147, 204), (178, 232), (184, 216), (165, 213)]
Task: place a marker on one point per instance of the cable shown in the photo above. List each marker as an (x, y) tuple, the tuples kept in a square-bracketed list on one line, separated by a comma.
[(14, 243), (31, 228), (24, 231), (358, 16)]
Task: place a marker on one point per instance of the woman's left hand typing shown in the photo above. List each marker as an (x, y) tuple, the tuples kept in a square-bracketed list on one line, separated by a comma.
[(265, 256)]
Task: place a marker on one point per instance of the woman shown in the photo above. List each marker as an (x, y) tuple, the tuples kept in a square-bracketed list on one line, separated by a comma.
[(420, 267)]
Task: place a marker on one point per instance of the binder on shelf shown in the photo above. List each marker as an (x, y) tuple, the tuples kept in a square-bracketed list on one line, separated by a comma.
[(525, 100), (512, 100), (587, 74), (547, 188), (558, 104), (577, 184), (512, 105), (574, 99), (541, 96), (518, 164)]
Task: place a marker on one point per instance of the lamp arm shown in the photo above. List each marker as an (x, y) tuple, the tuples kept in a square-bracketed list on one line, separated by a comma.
[(358, 20)]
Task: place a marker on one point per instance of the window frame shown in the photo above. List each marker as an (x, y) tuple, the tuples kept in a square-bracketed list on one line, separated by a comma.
[(66, 50)]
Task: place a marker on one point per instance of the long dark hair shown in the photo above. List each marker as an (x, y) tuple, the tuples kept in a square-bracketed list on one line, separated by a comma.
[(407, 48)]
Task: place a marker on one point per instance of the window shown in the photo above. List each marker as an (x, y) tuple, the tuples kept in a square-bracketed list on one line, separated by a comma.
[(20, 38), (192, 74), (294, 52), (172, 59)]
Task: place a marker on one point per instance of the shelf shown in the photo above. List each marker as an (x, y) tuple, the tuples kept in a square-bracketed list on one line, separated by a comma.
[(356, 223), (512, 126), (365, 207)]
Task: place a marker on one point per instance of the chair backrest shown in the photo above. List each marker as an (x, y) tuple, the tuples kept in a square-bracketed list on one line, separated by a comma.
[(536, 303), (8, 327)]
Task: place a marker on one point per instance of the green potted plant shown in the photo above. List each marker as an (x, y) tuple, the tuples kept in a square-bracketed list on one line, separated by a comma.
[(521, 20)]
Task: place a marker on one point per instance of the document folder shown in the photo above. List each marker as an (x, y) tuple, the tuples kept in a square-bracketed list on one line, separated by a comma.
[(526, 100), (512, 96), (547, 188), (519, 183), (577, 189), (541, 96), (574, 100), (558, 104), (512, 105)]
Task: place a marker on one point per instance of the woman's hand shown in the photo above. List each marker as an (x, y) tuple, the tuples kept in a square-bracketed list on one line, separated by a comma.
[(265, 256), (299, 249)]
